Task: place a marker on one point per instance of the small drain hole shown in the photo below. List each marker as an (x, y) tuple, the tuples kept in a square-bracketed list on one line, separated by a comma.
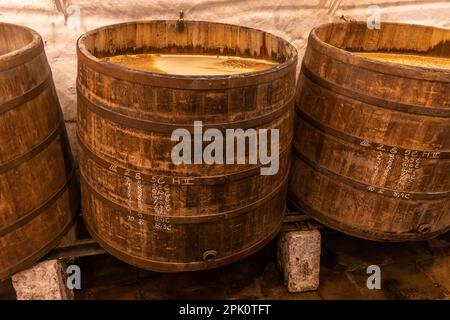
[(209, 255), (424, 228)]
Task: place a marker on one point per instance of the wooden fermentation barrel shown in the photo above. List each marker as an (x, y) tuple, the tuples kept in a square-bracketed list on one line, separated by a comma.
[(38, 198), (372, 139), (136, 203)]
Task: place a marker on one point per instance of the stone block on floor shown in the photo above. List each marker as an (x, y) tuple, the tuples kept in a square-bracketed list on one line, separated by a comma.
[(44, 281), (299, 259)]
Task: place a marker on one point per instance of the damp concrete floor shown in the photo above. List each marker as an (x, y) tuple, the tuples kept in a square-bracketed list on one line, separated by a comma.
[(416, 270)]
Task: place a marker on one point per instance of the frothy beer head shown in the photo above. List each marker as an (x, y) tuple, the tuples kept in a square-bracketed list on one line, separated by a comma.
[(415, 60), (192, 65)]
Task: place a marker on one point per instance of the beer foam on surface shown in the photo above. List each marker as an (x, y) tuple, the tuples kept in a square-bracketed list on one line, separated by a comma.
[(195, 65), (415, 60)]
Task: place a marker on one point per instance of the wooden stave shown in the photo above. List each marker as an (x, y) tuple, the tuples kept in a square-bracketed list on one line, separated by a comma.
[(212, 82), (34, 91), (319, 52)]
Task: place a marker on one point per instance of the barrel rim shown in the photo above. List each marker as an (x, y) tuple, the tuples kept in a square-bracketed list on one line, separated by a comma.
[(24, 53), (201, 81), (405, 71)]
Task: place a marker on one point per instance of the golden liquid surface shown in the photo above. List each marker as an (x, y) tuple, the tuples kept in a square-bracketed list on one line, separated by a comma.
[(192, 65), (408, 59)]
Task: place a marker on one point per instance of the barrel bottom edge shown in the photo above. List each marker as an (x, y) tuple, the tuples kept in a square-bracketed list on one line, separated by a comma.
[(74, 206), (31, 260), (362, 233), (167, 267)]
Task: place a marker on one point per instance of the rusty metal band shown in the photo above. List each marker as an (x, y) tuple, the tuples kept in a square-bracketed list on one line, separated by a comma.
[(27, 217), (171, 180), (34, 151), (385, 104), (21, 58), (161, 127), (359, 232), (125, 212), (26, 96), (424, 154), (400, 195)]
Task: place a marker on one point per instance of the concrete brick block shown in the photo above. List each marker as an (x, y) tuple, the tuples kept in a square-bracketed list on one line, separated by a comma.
[(44, 281), (299, 259)]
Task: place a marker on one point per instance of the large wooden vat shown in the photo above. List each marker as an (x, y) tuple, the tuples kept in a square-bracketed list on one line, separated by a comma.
[(38, 196), (372, 139), (136, 203)]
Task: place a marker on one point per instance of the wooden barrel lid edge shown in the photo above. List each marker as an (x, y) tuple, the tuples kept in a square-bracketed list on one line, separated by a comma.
[(183, 81), (200, 83), (19, 56), (404, 71)]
